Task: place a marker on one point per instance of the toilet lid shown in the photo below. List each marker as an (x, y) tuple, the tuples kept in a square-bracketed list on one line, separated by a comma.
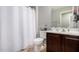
[(38, 39)]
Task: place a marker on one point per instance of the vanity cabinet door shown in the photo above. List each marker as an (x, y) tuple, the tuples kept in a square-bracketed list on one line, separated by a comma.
[(70, 44), (53, 42)]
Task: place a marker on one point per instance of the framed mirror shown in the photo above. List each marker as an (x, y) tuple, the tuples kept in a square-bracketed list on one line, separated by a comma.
[(65, 16)]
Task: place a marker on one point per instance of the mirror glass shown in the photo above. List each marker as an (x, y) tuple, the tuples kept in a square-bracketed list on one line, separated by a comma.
[(65, 18), (62, 16)]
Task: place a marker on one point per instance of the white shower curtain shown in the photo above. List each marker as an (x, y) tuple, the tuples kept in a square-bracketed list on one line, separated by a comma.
[(17, 28)]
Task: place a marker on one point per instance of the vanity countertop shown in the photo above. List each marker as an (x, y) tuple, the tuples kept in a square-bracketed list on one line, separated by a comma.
[(67, 33)]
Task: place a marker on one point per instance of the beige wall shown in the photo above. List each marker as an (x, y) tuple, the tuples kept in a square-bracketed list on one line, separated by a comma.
[(44, 17)]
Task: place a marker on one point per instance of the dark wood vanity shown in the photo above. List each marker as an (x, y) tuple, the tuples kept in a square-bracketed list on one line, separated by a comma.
[(62, 43)]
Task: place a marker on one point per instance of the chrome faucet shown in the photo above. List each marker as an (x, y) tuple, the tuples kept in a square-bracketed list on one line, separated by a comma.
[(63, 30)]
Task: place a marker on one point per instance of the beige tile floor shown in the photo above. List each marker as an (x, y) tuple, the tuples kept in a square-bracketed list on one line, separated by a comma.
[(31, 48)]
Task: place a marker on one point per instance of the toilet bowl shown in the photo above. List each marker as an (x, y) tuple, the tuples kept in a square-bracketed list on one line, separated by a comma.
[(38, 42)]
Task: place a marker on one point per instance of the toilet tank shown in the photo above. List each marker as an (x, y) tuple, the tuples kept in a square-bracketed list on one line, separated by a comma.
[(43, 34)]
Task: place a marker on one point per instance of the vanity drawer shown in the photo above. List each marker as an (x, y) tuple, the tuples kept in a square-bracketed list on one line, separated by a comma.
[(70, 43), (52, 35)]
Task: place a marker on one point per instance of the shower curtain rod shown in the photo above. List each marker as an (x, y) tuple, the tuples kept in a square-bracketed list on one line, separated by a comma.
[(34, 7)]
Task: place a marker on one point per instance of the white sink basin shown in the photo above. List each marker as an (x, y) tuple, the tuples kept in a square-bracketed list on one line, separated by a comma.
[(65, 29)]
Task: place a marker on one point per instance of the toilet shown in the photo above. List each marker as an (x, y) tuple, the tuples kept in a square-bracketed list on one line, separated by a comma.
[(39, 41)]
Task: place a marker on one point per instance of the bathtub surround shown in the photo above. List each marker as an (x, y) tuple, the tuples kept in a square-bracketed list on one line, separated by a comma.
[(17, 28)]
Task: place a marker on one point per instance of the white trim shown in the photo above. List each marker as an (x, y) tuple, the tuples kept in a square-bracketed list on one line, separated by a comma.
[(36, 19)]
